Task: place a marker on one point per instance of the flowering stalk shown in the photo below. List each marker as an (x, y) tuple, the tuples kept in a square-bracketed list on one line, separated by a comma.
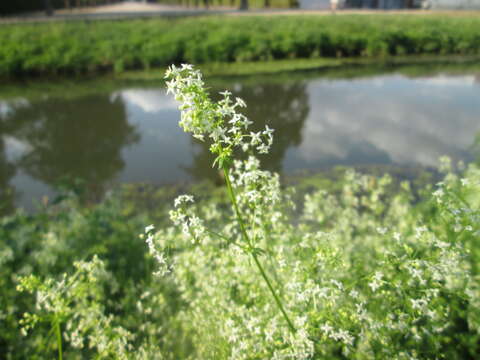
[(252, 250), (227, 130)]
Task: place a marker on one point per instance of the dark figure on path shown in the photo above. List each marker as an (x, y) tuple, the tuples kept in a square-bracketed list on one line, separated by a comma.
[(48, 7)]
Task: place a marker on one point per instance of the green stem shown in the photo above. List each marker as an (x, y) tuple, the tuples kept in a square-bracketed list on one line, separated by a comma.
[(235, 206), (59, 338), (229, 241), (254, 255), (275, 296)]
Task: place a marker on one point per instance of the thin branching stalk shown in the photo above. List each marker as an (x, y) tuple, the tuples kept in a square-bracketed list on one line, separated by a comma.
[(252, 251)]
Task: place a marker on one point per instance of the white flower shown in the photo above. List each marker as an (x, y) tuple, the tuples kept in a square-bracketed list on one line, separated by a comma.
[(419, 231), (382, 230), (255, 138), (226, 93), (376, 282), (438, 193), (418, 304), (240, 102), (263, 149), (218, 133), (416, 273), (326, 328), (253, 195), (183, 199), (338, 284), (187, 67), (149, 228), (268, 131), (245, 122)]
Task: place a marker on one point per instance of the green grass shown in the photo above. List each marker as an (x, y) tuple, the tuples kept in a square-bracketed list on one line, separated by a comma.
[(335, 67), (94, 47)]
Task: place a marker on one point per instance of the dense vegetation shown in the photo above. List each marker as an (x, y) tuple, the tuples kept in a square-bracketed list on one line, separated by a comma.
[(362, 226), (81, 47), (364, 266)]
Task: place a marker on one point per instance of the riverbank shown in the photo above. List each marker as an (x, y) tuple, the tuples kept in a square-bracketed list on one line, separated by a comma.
[(336, 67), (348, 68), (100, 47)]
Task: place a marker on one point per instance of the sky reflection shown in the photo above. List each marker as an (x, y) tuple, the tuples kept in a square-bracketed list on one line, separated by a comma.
[(131, 134)]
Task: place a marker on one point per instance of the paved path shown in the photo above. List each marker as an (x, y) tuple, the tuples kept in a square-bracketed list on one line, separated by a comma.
[(145, 10), (126, 7), (116, 11), (134, 7)]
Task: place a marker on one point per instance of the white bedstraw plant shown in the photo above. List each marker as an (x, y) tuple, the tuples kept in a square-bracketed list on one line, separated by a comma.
[(251, 190), (73, 307), (363, 275)]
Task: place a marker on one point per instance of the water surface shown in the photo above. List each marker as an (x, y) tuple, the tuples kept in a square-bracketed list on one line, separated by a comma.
[(129, 133)]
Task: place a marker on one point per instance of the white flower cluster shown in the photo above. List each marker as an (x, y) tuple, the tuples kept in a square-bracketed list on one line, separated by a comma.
[(450, 195), (376, 282), (184, 216), (73, 305), (218, 121), (356, 270), (164, 267), (258, 191), (226, 129)]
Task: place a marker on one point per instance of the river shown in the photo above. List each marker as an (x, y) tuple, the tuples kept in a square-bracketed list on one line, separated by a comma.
[(128, 132)]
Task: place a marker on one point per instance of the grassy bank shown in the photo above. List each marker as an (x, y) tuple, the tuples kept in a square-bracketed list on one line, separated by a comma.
[(222, 73), (327, 67), (65, 48)]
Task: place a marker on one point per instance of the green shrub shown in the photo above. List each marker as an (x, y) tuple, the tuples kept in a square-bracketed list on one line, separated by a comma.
[(78, 47)]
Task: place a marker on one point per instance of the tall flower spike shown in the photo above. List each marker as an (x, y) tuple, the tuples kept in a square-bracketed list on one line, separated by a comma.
[(220, 122), (228, 130)]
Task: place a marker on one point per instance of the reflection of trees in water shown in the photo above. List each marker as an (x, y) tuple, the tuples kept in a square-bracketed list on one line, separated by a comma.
[(476, 149), (7, 192), (73, 139), (7, 171), (283, 107)]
